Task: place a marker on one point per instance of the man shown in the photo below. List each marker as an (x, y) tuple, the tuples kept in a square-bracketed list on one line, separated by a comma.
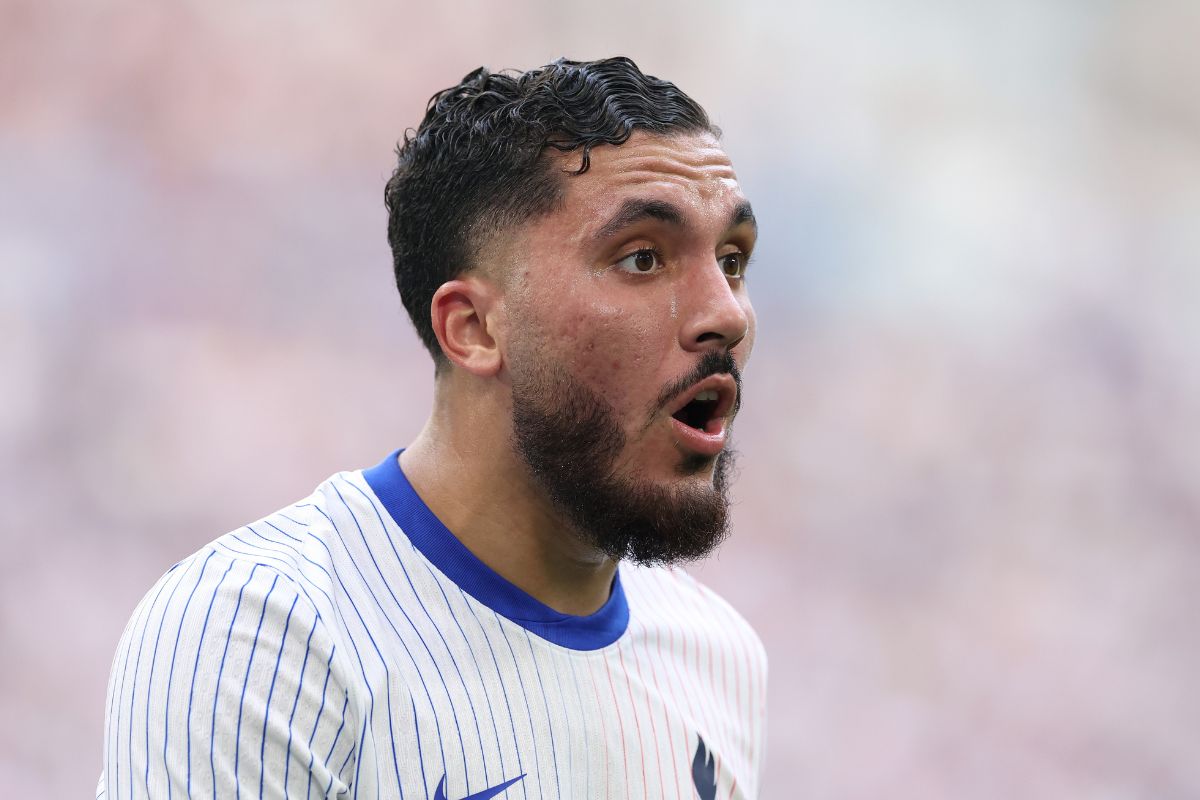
[(571, 244)]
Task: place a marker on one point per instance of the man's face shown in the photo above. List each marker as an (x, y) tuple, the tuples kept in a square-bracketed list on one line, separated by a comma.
[(629, 323)]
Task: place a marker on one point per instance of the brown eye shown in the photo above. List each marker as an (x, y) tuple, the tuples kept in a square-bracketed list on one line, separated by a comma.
[(642, 261), (733, 265)]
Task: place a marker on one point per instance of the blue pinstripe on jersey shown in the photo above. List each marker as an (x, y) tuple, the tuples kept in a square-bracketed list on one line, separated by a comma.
[(337, 735), (268, 560), (212, 749), (478, 671), (504, 691), (136, 668), (587, 774), (287, 762), (171, 677), (367, 630), (516, 670), (354, 645), (237, 739), (262, 750), (549, 722), (317, 719), (363, 575), (417, 727), (437, 630), (195, 669), (415, 629), (361, 665), (150, 678)]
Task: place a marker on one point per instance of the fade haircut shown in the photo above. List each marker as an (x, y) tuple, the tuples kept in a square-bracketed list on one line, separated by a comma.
[(478, 162)]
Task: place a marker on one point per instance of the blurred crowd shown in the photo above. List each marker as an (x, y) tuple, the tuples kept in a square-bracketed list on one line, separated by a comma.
[(968, 519)]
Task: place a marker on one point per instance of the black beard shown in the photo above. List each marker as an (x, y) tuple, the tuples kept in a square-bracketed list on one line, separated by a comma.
[(569, 439)]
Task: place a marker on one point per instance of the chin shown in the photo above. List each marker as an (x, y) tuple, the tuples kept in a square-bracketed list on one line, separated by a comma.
[(646, 502), (697, 464)]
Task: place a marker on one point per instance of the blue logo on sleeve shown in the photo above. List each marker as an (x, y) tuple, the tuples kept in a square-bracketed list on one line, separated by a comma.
[(440, 792)]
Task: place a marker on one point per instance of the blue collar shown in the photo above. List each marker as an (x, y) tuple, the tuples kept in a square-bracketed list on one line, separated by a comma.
[(448, 554)]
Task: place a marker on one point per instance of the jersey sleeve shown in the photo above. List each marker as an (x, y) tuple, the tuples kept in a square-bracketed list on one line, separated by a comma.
[(225, 683)]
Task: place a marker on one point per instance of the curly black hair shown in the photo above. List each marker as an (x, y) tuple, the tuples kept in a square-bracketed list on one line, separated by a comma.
[(476, 163)]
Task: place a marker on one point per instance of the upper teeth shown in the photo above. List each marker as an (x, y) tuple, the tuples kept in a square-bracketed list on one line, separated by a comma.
[(707, 396)]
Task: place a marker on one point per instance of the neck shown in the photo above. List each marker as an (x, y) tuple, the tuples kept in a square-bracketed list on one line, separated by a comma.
[(463, 466)]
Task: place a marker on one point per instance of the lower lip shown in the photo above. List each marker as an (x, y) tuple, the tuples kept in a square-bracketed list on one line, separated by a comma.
[(703, 442)]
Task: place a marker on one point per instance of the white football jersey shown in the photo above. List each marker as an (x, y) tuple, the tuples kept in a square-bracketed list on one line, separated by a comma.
[(351, 646)]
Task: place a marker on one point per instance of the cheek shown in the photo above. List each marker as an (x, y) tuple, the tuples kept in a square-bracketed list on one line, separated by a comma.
[(612, 351)]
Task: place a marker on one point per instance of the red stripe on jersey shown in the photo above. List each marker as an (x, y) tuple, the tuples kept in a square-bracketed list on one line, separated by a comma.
[(638, 723), (666, 719), (603, 726), (620, 722)]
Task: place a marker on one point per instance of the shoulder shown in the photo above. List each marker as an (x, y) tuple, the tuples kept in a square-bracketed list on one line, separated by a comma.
[(301, 546), (232, 593), (668, 598), (237, 634), (273, 578)]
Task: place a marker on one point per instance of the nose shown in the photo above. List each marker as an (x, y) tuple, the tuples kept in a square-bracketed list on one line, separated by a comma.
[(718, 313)]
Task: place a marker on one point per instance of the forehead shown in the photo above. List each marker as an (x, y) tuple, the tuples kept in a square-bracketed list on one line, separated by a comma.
[(690, 169), (690, 172)]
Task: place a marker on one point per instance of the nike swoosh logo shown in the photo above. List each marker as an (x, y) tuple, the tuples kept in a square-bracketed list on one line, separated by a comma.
[(440, 792)]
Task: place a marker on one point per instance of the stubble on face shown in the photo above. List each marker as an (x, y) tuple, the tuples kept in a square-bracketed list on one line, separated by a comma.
[(571, 442), (593, 440)]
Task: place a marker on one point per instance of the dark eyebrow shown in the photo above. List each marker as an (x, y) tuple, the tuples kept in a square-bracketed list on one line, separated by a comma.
[(635, 210), (743, 213)]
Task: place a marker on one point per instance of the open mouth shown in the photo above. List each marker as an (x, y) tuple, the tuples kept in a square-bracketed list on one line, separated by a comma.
[(701, 410), (707, 406)]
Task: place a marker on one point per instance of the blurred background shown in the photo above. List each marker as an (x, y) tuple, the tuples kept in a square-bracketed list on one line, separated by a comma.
[(969, 505)]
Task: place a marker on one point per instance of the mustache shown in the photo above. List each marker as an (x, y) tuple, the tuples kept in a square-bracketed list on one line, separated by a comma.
[(714, 362)]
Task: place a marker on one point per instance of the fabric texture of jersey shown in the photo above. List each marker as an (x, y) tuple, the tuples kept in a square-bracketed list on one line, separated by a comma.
[(351, 646)]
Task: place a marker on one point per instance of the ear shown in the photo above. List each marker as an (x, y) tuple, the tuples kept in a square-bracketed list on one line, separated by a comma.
[(464, 313)]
